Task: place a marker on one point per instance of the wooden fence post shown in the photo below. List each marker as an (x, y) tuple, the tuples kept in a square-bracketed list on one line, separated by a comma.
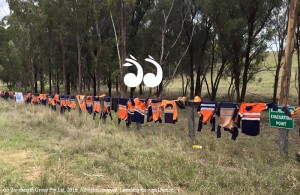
[(191, 105), (102, 109)]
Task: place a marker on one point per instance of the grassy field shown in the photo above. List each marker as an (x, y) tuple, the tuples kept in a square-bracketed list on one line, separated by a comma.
[(44, 149), (261, 89)]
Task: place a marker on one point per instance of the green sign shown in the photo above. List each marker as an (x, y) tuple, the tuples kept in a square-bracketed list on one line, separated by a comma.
[(279, 120)]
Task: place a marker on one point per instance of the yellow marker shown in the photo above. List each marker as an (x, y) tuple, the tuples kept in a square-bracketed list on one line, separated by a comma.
[(197, 146)]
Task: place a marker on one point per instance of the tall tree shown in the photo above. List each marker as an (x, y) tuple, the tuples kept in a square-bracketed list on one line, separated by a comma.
[(286, 74)]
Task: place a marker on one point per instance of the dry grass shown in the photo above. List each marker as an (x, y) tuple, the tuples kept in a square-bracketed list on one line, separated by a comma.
[(45, 149)]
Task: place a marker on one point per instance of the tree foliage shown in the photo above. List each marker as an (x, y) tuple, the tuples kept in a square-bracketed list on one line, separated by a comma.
[(76, 45)]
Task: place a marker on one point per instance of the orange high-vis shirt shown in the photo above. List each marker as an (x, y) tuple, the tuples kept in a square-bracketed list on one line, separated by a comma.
[(56, 98), (170, 110), (97, 107), (122, 109), (81, 102), (73, 102), (156, 110)]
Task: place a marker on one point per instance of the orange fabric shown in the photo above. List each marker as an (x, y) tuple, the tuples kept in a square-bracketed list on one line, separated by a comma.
[(81, 102), (139, 106), (97, 107), (148, 103), (169, 109), (73, 104), (296, 112), (50, 101), (35, 99), (130, 107), (27, 96), (68, 103), (225, 119), (156, 111), (62, 102), (11, 94), (256, 109), (56, 98), (122, 112), (43, 96)]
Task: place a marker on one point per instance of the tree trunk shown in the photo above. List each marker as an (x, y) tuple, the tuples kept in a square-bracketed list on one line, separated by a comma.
[(50, 78), (212, 70), (286, 74), (57, 82), (237, 87), (191, 54), (247, 60), (186, 87), (160, 89), (78, 39), (42, 81), (32, 74), (109, 86), (197, 89), (88, 85), (298, 60), (98, 85), (117, 85), (141, 89), (35, 81), (132, 89), (276, 79), (122, 22), (68, 84), (63, 56), (95, 87), (182, 84)]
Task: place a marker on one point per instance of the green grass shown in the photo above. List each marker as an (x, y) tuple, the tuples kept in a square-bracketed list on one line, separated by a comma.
[(44, 149)]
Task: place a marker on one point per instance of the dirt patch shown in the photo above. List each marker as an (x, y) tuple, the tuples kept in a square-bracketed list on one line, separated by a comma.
[(24, 162)]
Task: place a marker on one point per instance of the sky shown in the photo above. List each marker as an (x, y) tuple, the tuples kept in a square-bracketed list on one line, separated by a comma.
[(4, 9)]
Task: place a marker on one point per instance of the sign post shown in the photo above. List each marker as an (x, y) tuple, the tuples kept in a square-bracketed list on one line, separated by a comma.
[(278, 119)]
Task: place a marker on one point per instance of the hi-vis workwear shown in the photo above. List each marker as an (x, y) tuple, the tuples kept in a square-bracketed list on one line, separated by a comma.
[(106, 108), (122, 109), (139, 111), (249, 113), (227, 112), (27, 98), (154, 110), (170, 110), (96, 107), (73, 102), (35, 98), (206, 111), (43, 99), (81, 102), (56, 98), (89, 104), (62, 102), (130, 111), (67, 102)]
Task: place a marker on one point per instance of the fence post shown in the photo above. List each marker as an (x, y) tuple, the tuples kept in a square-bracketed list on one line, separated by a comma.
[(102, 109), (191, 105)]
